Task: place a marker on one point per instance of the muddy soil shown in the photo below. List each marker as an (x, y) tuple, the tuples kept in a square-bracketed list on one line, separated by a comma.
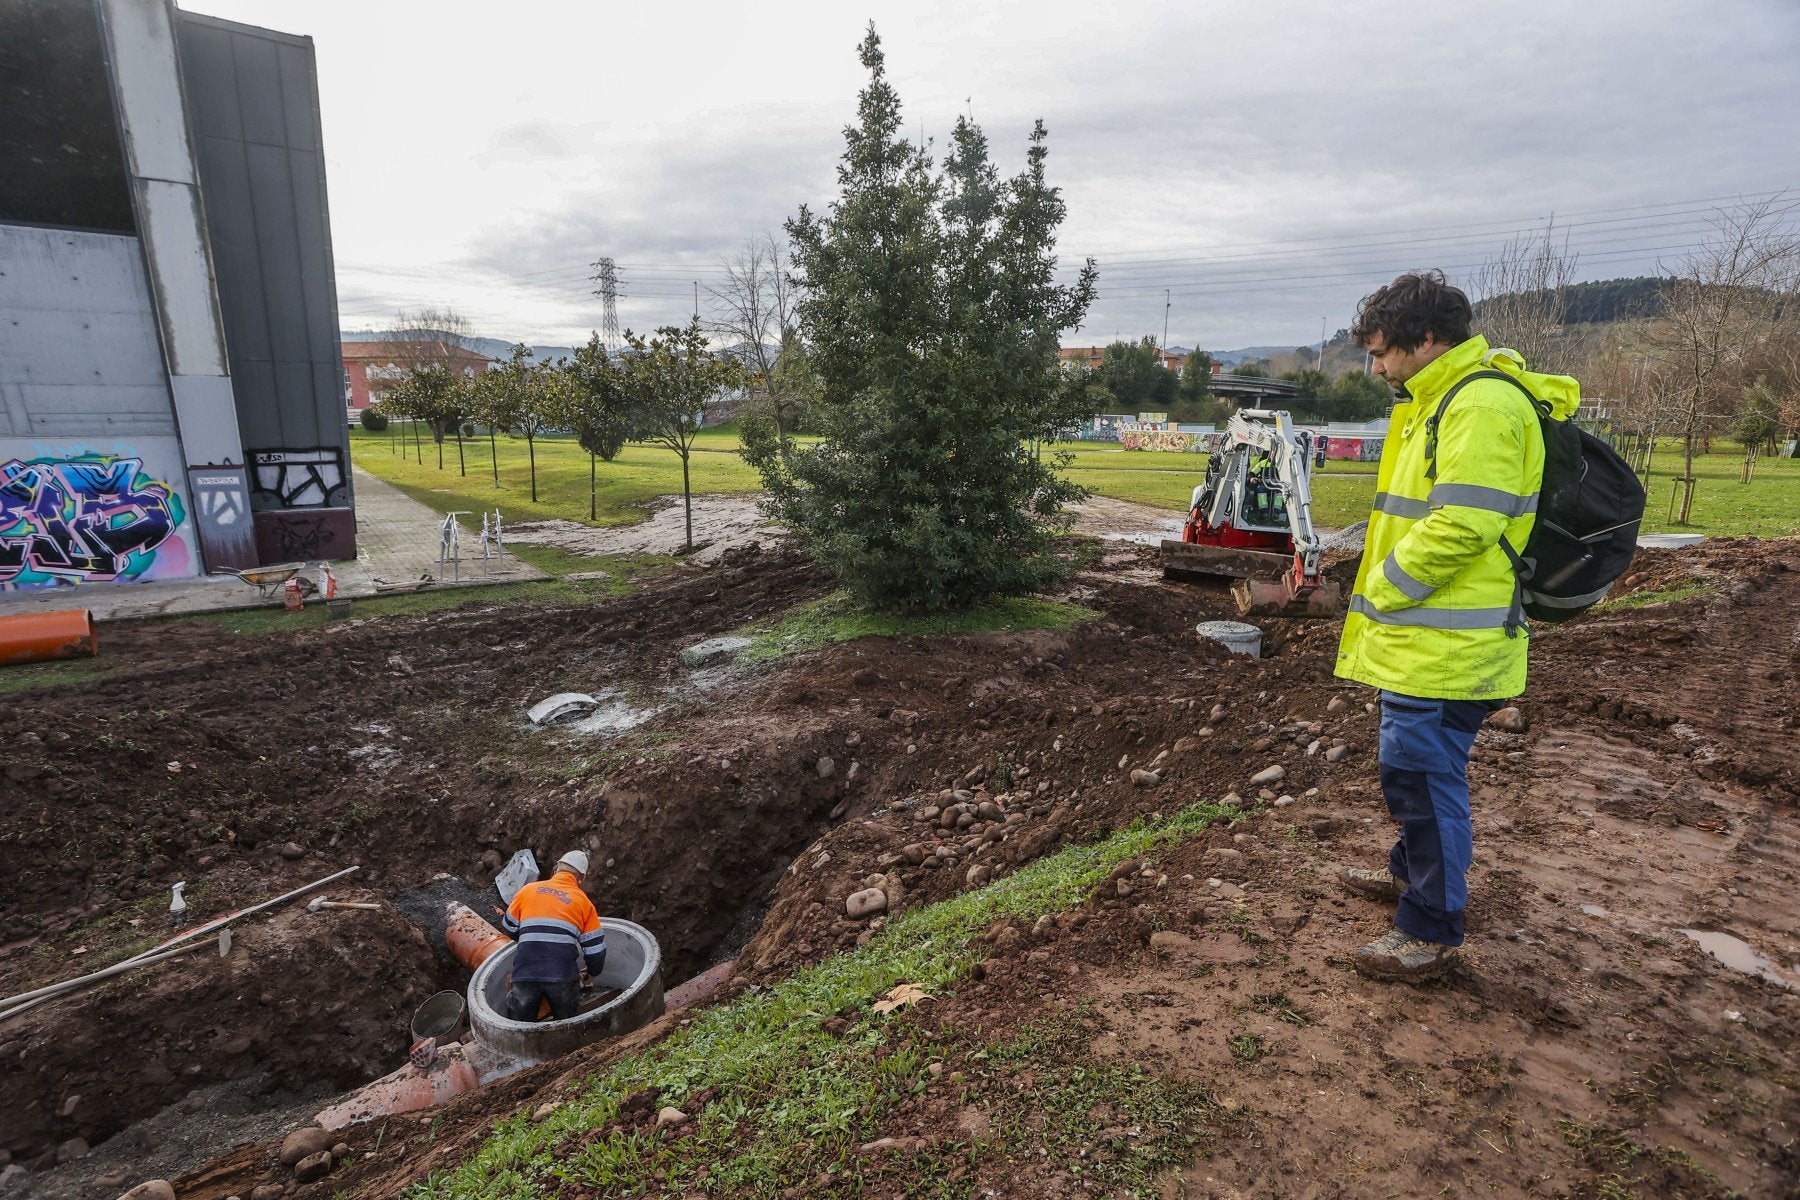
[(1585, 1044), (721, 523), (248, 767)]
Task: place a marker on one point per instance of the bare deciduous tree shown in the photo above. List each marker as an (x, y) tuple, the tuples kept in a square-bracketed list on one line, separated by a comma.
[(1722, 309), (423, 343), (753, 313), (1522, 296)]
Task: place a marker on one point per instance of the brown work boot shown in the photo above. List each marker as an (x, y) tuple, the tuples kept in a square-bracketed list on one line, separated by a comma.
[(1397, 954), (1377, 885)]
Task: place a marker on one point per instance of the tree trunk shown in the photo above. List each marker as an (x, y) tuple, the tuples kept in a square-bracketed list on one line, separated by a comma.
[(531, 446), (593, 488), (687, 501), (439, 439), (494, 455), (418, 450), (462, 468), (1687, 476)]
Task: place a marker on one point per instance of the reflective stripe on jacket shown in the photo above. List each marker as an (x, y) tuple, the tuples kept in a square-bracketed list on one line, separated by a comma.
[(556, 927), (1434, 593)]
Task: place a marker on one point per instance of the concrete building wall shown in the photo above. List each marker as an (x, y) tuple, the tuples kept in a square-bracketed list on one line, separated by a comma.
[(92, 486), (128, 450), (253, 103)]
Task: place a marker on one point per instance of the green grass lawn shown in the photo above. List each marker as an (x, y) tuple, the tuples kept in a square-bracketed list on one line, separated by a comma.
[(637, 476), (1768, 506)]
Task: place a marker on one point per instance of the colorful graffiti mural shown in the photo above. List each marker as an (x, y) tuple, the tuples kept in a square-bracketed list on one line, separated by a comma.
[(1354, 449), (88, 518), (1158, 440)]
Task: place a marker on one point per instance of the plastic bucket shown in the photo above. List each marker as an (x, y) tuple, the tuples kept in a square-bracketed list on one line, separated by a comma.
[(1235, 636)]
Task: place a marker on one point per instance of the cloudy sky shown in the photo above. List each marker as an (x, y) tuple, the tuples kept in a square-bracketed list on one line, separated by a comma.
[(1264, 164)]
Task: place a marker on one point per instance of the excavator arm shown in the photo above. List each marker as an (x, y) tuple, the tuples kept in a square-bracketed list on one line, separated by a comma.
[(1252, 518)]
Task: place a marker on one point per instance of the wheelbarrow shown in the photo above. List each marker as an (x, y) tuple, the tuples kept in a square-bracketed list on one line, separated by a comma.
[(268, 581)]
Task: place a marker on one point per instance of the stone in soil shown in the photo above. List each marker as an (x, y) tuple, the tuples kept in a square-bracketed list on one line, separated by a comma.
[(155, 1189), (1268, 775), (866, 903), (1509, 720), (303, 1143), (313, 1166), (670, 1116)]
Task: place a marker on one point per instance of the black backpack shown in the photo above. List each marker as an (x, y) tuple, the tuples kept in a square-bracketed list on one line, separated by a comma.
[(1588, 511)]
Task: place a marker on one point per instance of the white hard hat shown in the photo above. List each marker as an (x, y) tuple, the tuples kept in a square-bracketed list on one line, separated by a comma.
[(575, 860)]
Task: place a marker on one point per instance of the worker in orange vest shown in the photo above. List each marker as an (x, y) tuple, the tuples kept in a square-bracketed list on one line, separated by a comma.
[(559, 935)]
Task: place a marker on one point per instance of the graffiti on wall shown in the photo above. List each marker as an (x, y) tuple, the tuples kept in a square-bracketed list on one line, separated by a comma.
[(89, 518), (309, 478), (1158, 440), (222, 515), (284, 535)]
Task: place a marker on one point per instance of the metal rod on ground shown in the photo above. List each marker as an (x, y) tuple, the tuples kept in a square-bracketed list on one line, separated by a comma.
[(15, 1005), (229, 917)]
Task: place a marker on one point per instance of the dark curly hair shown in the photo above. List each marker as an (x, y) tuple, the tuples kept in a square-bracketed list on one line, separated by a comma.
[(1416, 304)]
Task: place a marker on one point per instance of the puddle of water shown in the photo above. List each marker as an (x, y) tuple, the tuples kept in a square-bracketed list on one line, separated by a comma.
[(1593, 910), (1739, 955)]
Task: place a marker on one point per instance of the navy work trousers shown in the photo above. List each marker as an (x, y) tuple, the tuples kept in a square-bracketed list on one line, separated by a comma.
[(522, 999), (1425, 748)]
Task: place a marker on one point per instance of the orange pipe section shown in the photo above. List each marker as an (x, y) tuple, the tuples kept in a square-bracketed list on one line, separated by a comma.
[(471, 939), (38, 637), (408, 1089)]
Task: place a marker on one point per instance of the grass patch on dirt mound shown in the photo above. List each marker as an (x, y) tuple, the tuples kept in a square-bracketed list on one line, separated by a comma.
[(790, 1081), (61, 672), (1691, 590), (838, 618), (623, 573)]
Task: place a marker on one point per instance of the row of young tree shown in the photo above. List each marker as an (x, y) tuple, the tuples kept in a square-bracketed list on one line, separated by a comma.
[(652, 390)]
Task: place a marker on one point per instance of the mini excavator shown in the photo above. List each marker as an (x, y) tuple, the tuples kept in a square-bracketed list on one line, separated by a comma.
[(1251, 520)]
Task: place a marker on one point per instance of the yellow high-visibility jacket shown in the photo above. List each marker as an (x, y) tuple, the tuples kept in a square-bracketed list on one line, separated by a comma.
[(1434, 594)]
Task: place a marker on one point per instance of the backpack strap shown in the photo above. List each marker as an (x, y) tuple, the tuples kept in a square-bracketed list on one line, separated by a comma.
[(1523, 568), (1432, 422)]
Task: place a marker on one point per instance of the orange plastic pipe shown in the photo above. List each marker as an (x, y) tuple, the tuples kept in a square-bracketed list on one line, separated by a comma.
[(470, 938), (38, 637), (408, 1089)]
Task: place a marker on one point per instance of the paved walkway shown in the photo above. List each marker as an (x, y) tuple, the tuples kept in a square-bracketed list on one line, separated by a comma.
[(397, 541)]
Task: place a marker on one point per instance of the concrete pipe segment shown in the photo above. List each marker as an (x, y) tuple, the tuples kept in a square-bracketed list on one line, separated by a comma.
[(633, 965)]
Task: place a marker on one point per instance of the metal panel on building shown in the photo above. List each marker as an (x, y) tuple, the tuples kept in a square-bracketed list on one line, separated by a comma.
[(253, 98)]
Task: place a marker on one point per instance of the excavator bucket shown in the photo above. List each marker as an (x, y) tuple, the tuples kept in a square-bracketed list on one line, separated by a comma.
[(1277, 598), (1190, 560)]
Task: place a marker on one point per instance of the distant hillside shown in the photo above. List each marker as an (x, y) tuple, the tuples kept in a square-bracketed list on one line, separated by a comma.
[(1604, 300), (492, 347), (1230, 358)]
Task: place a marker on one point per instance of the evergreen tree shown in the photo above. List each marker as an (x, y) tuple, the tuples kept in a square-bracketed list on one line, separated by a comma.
[(931, 316)]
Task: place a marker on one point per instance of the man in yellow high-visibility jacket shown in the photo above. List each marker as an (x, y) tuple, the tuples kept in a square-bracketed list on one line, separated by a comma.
[(1433, 621)]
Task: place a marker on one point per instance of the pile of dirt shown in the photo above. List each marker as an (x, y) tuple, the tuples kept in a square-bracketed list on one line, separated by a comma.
[(1655, 785)]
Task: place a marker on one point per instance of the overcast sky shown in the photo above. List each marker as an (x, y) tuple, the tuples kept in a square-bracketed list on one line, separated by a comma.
[(1265, 163)]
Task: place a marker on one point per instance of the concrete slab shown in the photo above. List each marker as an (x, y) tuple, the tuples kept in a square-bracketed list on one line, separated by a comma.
[(397, 544)]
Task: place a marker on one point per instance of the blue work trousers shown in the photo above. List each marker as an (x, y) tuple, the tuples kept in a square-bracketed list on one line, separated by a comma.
[(523, 998), (1425, 748)]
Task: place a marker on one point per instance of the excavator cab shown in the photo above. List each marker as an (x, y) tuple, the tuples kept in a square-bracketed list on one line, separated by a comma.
[(1251, 520)]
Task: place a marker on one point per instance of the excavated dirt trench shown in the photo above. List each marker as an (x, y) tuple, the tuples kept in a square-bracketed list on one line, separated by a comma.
[(1658, 783), (251, 766)]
